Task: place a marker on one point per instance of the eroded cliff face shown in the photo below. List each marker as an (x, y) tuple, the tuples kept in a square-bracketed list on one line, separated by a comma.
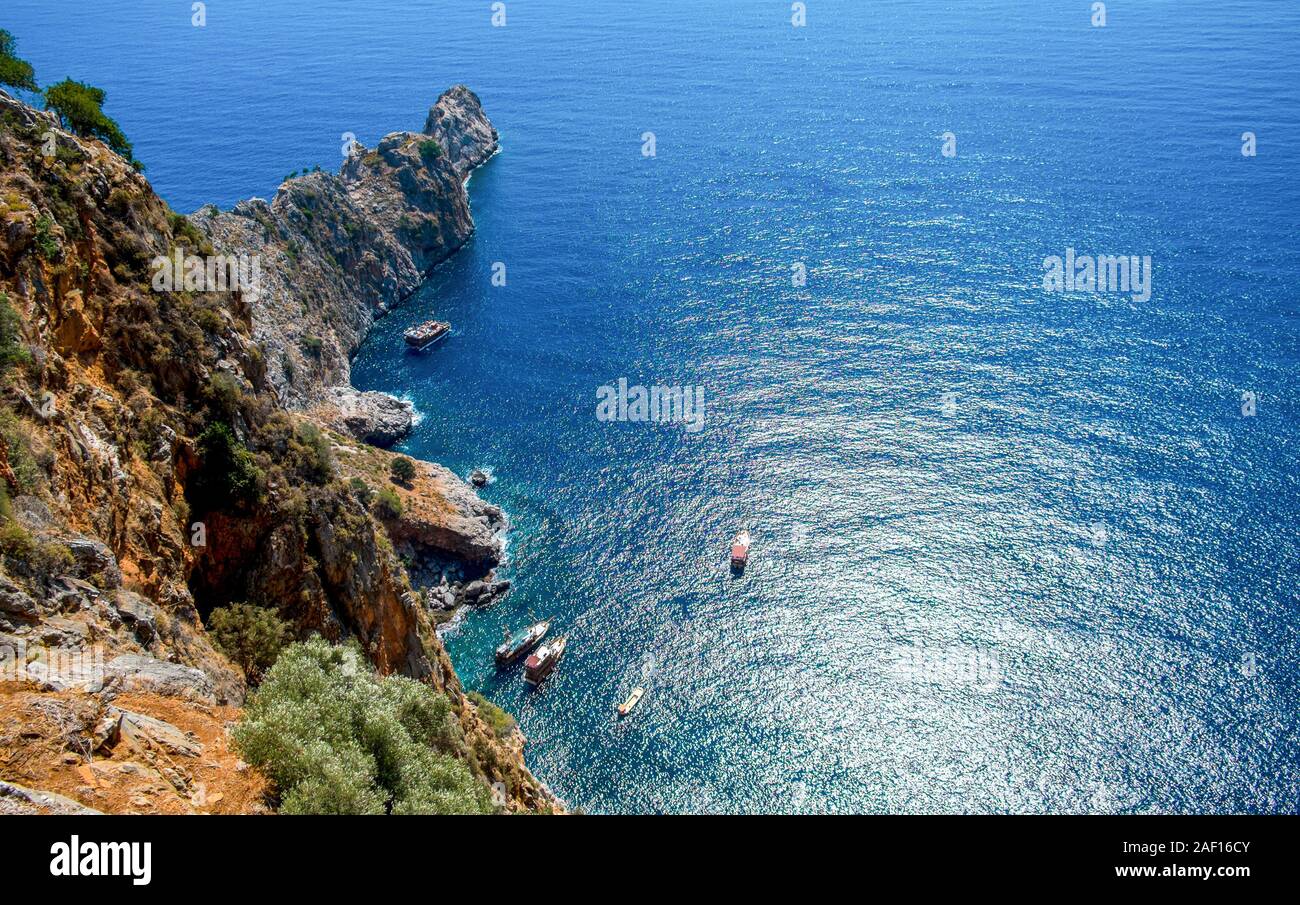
[(159, 458)]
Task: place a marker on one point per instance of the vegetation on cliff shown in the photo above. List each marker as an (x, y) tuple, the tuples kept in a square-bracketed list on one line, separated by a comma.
[(80, 108), (501, 723), (14, 72), (337, 739), (251, 636), (12, 350), (402, 470)]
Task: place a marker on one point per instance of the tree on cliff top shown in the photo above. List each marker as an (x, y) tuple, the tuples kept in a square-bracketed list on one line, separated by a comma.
[(402, 470), (80, 109), (14, 72)]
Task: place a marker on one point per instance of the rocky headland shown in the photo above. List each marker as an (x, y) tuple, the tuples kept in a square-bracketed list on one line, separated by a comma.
[(165, 454), (339, 250)]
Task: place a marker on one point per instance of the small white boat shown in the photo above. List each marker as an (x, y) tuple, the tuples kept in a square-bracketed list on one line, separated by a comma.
[(632, 700), (740, 549)]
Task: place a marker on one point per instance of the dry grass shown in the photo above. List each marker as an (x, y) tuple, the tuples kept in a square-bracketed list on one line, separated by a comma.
[(46, 737)]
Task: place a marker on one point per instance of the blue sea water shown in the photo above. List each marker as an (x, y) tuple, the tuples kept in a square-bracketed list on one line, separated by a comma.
[(1014, 550)]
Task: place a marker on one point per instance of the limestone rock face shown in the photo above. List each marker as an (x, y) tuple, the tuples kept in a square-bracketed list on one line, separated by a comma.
[(371, 417), (16, 799), (135, 673), (458, 124), (445, 517)]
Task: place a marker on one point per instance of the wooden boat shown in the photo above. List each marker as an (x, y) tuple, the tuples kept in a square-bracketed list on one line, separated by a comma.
[(542, 662), (740, 549), (426, 334), (520, 643), (632, 700)]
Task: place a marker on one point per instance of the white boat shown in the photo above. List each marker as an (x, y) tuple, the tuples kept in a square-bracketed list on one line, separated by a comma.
[(632, 700), (520, 643), (740, 549), (424, 335)]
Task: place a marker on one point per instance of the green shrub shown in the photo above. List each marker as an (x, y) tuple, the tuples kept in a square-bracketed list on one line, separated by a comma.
[(185, 232), (227, 474), (209, 320), (16, 542), (12, 350), (388, 505), (48, 246), (224, 396), (336, 739), (27, 555), (14, 72), (312, 455), (502, 723), (430, 151), (80, 108), (18, 447), (361, 490), (251, 636), (402, 470), (312, 345)]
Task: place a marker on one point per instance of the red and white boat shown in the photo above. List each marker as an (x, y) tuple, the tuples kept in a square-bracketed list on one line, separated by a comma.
[(542, 662), (740, 549)]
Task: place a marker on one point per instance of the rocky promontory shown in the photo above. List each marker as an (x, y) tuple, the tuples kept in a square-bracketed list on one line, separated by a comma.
[(337, 251)]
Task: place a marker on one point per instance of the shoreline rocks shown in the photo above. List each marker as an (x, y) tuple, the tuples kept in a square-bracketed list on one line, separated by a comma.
[(371, 417)]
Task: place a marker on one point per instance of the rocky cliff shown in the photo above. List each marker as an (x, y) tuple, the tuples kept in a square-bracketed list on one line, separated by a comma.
[(337, 251), (168, 451)]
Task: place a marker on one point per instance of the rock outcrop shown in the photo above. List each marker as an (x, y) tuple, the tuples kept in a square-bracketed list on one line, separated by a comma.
[(70, 753), (375, 418)]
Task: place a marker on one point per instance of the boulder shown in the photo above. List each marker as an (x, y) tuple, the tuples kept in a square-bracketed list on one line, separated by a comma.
[(137, 614), (145, 732), (440, 598), (16, 799), (94, 558), (375, 418), (131, 672), (15, 602)]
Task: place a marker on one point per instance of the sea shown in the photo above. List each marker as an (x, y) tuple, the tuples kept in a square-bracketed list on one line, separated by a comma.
[(1024, 538)]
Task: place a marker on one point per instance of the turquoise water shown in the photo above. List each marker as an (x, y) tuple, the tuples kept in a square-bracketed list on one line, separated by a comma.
[(1013, 550)]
